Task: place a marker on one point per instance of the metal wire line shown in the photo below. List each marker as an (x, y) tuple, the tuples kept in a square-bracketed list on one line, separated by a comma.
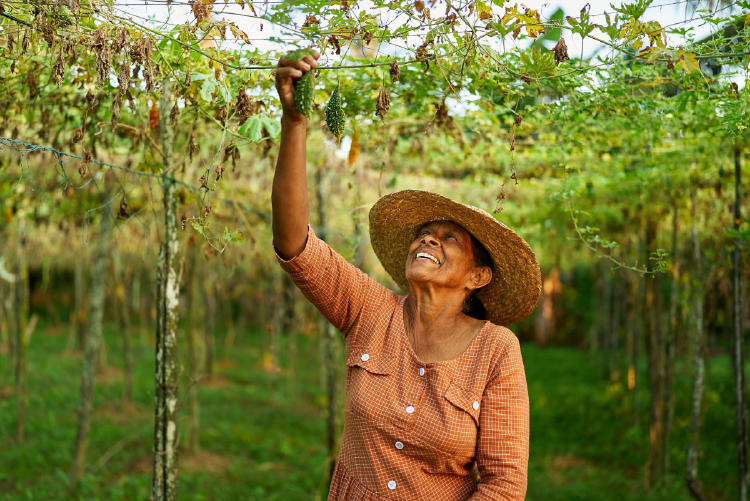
[(26, 148)]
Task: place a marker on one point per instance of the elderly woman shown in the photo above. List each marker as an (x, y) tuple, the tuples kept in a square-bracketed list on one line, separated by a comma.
[(435, 386)]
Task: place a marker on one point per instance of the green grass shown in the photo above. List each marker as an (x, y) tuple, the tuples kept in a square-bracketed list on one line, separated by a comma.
[(263, 434)]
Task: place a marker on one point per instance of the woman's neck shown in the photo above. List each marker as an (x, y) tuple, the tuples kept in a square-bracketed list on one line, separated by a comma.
[(438, 330)]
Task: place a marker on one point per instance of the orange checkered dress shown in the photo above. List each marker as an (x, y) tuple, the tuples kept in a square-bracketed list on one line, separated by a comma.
[(414, 430)]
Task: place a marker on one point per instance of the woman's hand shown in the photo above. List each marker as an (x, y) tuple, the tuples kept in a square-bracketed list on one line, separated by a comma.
[(289, 70)]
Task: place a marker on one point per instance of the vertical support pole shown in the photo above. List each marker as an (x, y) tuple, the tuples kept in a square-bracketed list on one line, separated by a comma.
[(22, 316), (698, 376), (738, 354), (92, 346), (329, 340), (164, 486)]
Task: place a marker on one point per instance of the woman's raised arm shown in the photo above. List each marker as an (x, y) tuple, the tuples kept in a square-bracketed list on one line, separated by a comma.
[(289, 193)]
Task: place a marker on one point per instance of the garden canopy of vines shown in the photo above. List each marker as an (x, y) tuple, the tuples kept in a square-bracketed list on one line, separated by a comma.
[(137, 147)]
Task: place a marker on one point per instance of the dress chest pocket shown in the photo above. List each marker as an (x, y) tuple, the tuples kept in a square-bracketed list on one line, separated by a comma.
[(369, 386), (461, 410)]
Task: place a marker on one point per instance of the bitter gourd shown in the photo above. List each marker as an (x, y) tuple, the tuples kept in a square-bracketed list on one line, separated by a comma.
[(303, 94), (335, 118)]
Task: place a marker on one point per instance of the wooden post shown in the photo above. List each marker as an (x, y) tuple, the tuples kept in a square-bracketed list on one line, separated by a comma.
[(22, 316), (698, 376), (164, 484), (329, 340), (738, 354), (91, 348), (655, 346), (669, 341)]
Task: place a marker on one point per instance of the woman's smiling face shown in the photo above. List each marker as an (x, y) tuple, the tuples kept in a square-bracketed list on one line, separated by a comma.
[(441, 254)]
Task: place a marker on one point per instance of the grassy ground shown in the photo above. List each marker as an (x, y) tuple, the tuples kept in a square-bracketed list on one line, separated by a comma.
[(263, 434)]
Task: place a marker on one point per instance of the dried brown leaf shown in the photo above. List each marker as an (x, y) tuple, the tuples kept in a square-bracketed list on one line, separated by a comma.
[(395, 71), (173, 114), (383, 104), (124, 210), (100, 46), (560, 51), (58, 71), (122, 40)]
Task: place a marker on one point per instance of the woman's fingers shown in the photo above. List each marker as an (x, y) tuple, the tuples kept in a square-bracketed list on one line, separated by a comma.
[(288, 72), (301, 65), (312, 61)]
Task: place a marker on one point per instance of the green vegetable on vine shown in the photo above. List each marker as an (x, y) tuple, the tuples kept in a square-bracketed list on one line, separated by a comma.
[(303, 88), (335, 118), (303, 94)]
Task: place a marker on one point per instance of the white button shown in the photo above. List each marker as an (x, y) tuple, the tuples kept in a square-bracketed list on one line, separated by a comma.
[(421, 371), (409, 409), (365, 357), (399, 445), (391, 484), (475, 405)]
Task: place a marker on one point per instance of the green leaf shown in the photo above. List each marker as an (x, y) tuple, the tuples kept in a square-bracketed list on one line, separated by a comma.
[(272, 126), (208, 88), (252, 129)]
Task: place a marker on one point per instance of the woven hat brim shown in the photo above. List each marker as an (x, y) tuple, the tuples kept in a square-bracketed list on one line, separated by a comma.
[(516, 283)]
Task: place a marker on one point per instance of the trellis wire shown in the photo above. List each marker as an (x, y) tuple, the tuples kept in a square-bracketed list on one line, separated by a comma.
[(24, 149)]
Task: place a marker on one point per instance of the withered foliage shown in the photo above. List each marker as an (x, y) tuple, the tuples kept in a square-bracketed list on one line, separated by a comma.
[(193, 146), (201, 10), (44, 25), (122, 40), (735, 88), (123, 78), (560, 51), (221, 114), (140, 52), (100, 46), (58, 70), (233, 153), (310, 20), (423, 55), (395, 71), (335, 42), (124, 211), (173, 114), (30, 79), (153, 116), (243, 108), (442, 118), (383, 104), (25, 42)]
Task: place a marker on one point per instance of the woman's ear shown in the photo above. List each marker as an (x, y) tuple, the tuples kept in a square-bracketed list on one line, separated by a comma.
[(482, 276)]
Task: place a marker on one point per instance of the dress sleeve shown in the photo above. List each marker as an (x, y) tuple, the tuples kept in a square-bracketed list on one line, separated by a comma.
[(503, 445), (340, 290)]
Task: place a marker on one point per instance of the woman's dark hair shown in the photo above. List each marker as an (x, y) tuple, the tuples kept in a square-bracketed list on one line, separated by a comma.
[(472, 305)]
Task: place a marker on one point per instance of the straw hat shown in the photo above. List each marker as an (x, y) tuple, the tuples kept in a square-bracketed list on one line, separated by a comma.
[(514, 289)]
